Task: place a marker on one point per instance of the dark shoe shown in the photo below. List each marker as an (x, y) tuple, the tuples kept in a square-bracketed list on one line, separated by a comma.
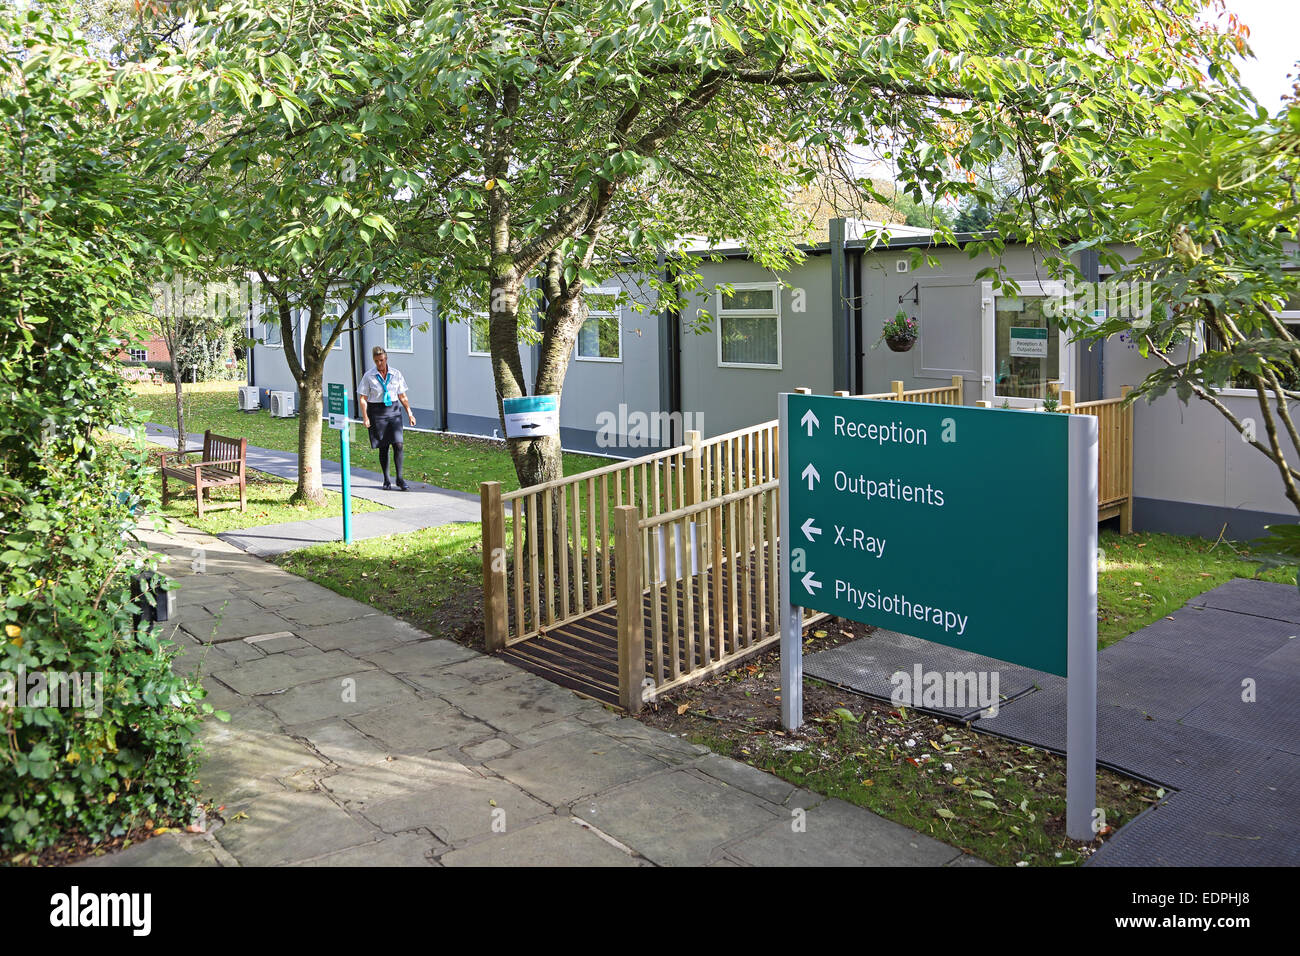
[(401, 486), (387, 486)]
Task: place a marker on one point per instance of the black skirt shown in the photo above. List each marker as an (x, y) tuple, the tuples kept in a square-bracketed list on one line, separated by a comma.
[(386, 426)]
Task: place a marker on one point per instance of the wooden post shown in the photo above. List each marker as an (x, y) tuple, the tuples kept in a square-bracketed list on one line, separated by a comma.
[(802, 390), (627, 589), (957, 384), (1067, 399), (694, 487), (494, 567), (897, 389), (1126, 509)]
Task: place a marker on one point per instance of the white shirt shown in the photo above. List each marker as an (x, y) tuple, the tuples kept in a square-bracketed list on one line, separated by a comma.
[(372, 389)]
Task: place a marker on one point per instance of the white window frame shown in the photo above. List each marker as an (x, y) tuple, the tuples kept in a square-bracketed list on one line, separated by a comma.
[(1068, 354), (403, 312), (270, 320), (469, 337), (774, 312), (138, 355), (343, 307), (618, 318)]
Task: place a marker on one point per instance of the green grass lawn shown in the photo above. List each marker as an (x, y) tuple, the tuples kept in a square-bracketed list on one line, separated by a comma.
[(267, 498), (445, 460), (430, 577), (1143, 577)]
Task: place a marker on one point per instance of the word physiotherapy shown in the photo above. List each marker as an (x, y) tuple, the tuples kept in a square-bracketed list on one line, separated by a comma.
[(970, 527)]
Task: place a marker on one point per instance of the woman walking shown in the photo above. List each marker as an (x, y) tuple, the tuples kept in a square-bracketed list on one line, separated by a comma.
[(385, 388)]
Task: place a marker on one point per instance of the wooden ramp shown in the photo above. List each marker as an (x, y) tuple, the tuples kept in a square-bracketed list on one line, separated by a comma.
[(582, 654)]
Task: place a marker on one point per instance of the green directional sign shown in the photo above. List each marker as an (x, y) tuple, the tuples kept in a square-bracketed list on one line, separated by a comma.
[(337, 399), (942, 522)]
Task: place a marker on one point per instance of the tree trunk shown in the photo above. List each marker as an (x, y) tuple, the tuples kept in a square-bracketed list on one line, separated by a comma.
[(310, 491), (180, 400)]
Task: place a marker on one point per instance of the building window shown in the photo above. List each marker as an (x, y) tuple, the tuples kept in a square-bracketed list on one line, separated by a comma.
[(478, 334), (329, 321), (397, 330), (599, 339), (139, 355), (271, 333), (749, 325)]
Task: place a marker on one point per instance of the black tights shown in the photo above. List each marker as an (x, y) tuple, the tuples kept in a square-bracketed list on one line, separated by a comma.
[(397, 461)]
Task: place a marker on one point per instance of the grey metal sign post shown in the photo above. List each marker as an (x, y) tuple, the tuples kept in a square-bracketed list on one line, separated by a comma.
[(872, 491)]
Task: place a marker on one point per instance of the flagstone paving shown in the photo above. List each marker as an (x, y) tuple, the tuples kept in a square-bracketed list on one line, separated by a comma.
[(355, 740)]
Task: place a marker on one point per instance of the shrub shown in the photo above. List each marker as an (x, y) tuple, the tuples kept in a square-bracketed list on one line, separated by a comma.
[(73, 257)]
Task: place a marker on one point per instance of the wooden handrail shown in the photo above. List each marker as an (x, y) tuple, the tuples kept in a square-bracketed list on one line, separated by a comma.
[(711, 503)]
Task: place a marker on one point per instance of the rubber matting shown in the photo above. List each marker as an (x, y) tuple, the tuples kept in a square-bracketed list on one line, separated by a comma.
[(1261, 598), (1169, 711), (1192, 829), (866, 666)]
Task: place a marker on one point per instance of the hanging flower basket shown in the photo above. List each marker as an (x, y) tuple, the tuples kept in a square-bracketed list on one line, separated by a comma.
[(899, 332)]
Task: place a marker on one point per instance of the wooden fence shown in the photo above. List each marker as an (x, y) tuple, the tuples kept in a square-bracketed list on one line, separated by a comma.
[(1114, 454), (564, 569), (681, 544)]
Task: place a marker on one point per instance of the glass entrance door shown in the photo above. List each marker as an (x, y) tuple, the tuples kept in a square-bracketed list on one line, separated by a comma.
[(1025, 352)]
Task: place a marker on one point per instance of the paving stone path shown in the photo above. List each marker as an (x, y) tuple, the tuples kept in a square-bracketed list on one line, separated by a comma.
[(422, 506), (356, 739)]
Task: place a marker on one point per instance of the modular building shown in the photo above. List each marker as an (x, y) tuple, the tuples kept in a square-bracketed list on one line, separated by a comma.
[(640, 378)]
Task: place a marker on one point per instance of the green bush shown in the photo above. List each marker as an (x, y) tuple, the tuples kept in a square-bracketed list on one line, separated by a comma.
[(74, 255)]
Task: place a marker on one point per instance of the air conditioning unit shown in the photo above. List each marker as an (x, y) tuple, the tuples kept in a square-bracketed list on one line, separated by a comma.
[(248, 398), (282, 404)]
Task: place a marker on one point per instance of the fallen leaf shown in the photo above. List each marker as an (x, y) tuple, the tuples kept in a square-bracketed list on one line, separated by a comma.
[(682, 709)]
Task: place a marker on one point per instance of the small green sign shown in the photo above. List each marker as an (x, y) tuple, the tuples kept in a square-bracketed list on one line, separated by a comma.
[(337, 398), (1028, 341), (943, 522)]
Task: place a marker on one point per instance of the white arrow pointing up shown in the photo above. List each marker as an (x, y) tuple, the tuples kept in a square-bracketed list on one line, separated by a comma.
[(809, 529), (810, 421), (812, 474), (809, 583)]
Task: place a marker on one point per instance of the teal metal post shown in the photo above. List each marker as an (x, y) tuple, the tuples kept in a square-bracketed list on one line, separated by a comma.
[(345, 456)]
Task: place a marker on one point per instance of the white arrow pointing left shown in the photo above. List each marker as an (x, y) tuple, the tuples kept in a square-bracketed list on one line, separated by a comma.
[(809, 583), (810, 530)]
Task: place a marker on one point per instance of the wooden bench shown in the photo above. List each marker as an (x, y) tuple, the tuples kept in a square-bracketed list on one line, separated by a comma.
[(223, 465)]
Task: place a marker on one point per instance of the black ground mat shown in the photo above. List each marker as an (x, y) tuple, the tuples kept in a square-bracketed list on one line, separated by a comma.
[(1192, 829), (1269, 715), (1261, 598), (1170, 710), (1208, 632), (1163, 684), (867, 665)]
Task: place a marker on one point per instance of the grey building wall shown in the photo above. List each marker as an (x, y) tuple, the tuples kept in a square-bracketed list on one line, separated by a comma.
[(720, 398), (471, 389), (947, 301), (1194, 474), (610, 406)]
